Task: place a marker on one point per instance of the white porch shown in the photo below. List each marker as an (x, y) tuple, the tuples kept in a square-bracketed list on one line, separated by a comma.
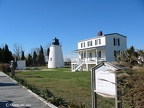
[(87, 58)]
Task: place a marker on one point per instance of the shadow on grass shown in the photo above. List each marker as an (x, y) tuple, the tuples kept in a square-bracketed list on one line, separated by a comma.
[(30, 76)]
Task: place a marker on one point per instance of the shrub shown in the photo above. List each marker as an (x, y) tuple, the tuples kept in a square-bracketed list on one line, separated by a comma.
[(49, 96), (74, 105), (46, 94), (5, 68), (133, 90), (58, 101)]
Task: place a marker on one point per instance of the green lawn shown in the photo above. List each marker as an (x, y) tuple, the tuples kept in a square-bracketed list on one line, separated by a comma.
[(72, 86)]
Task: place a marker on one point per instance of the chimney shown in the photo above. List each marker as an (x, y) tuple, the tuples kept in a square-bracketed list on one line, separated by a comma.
[(100, 33)]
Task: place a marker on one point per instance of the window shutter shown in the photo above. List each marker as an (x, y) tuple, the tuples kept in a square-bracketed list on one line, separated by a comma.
[(118, 42), (114, 53), (114, 41)]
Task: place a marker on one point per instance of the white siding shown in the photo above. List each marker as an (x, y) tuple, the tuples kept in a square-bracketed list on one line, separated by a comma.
[(82, 46), (110, 46)]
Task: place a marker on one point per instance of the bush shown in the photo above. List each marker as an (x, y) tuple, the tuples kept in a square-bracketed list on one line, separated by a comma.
[(74, 105), (5, 68), (58, 101), (49, 96), (133, 90)]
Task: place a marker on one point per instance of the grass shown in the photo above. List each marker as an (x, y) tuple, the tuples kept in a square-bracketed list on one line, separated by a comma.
[(72, 86)]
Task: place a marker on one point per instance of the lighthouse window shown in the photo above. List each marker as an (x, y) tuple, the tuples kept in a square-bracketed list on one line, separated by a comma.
[(50, 59)]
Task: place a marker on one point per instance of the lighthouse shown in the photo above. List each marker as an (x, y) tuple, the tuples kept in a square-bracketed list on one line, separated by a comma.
[(55, 56)]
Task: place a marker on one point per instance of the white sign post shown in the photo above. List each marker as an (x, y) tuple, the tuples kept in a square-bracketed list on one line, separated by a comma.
[(104, 83)]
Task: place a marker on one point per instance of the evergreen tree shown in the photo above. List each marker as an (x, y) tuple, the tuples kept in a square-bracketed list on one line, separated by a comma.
[(1, 56), (35, 58), (29, 60), (131, 50), (41, 57), (7, 54), (48, 51), (23, 56)]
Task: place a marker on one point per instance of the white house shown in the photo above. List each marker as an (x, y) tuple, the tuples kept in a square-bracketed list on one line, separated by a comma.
[(94, 50)]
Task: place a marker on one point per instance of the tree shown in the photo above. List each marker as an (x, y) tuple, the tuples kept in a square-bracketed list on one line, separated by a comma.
[(29, 60), (131, 50), (17, 48), (41, 57), (7, 54), (23, 56), (130, 56), (35, 58), (1, 56), (132, 85), (133, 89), (48, 51)]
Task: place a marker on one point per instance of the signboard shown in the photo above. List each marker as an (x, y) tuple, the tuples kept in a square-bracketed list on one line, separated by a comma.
[(105, 82)]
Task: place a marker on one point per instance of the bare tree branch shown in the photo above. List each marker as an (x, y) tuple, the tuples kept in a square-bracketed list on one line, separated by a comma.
[(17, 48)]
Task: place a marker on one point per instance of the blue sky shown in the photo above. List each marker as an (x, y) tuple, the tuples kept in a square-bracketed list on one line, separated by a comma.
[(36, 22)]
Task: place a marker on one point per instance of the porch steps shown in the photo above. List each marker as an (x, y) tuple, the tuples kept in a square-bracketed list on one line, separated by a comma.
[(79, 65)]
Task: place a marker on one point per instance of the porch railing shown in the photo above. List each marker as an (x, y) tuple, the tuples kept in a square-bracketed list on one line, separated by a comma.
[(93, 59), (76, 63)]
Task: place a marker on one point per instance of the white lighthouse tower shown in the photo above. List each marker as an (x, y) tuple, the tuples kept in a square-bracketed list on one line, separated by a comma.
[(55, 56)]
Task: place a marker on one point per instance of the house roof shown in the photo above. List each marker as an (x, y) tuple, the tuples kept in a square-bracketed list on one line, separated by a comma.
[(115, 33), (103, 36)]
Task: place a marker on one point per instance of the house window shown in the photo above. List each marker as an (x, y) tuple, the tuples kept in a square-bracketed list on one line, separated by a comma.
[(99, 41), (84, 44), (96, 42), (81, 55), (88, 43), (99, 54), (90, 55), (84, 55), (116, 53), (95, 53), (81, 45), (116, 41)]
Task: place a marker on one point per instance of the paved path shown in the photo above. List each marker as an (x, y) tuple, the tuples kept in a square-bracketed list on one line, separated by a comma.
[(13, 95)]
